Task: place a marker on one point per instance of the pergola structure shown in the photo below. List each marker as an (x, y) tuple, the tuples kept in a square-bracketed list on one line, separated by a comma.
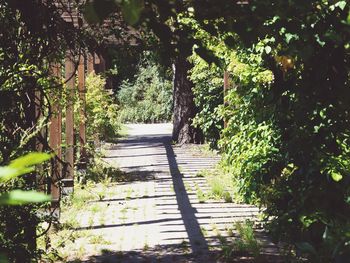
[(73, 70)]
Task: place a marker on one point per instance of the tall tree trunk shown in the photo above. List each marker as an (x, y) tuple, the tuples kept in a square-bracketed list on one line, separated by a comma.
[(184, 106)]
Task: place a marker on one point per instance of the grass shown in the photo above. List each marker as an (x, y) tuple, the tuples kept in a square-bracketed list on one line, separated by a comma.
[(99, 239), (204, 231), (202, 197), (81, 209), (188, 187), (246, 244), (102, 218), (185, 246), (129, 193), (220, 183), (123, 132), (145, 247), (203, 150), (96, 208), (99, 171), (247, 241)]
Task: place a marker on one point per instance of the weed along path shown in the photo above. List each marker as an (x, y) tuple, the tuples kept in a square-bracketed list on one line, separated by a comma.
[(162, 212)]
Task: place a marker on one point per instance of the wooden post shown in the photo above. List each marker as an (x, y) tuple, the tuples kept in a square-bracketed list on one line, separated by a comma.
[(39, 147), (97, 62), (226, 87), (90, 63), (68, 181), (55, 141), (82, 127)]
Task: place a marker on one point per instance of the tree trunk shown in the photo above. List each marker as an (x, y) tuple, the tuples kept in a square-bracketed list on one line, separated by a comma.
[(184, 106)]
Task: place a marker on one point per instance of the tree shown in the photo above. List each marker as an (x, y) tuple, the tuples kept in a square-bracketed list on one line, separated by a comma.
[(184, 107), (176, 43)]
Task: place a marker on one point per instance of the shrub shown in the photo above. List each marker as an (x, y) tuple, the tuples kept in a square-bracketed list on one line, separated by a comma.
[(101, 112), (149, 97), (288, 150), (208, 96)]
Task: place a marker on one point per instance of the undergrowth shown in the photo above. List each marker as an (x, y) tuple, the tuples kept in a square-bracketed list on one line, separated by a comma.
[(80, 211), (220, 183), (245, 244)]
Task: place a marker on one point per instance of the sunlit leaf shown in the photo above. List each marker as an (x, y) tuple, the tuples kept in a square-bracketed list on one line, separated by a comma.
[(336, 176), (341, 4), (19, 197), (8, 172), (268, 49), (290, 37), (30, 159)]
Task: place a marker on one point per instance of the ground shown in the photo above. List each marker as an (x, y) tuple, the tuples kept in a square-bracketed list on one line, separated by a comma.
[(162, 213)]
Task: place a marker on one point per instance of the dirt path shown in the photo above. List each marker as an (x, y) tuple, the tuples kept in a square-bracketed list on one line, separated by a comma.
[(158, 217)]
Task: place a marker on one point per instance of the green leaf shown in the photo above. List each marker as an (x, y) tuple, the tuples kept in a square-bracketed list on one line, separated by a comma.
[(30, 159), (341, 4), (8, 173), (22, 165), (131, 10), (336, 176), (268, 49), (19, 197), (290, 36)]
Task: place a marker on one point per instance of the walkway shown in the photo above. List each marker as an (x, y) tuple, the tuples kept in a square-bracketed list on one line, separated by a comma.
[(158, 217)]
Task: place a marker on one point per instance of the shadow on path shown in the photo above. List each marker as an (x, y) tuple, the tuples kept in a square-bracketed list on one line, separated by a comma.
[(196, 239), (173, 216)]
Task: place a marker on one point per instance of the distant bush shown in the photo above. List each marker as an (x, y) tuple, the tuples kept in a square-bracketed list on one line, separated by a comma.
[(101, 111), (148, 98)]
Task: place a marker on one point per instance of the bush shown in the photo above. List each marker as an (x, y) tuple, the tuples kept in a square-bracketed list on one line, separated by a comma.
[(101, 112), (208, 96), (149, 97), (288, 150)]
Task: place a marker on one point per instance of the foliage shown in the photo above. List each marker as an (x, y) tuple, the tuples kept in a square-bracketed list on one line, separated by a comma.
[(101, 112), (207, 78), (286, 143), (99, 170), (149, 97), (16, 168), (27, 47), (221, 184), (97, 11), (287, 140), (247, 242), (208, 95), (80, 209), (250, 139)]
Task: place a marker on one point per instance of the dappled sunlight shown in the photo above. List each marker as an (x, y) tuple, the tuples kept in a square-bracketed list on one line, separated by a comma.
[(158, 215)]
